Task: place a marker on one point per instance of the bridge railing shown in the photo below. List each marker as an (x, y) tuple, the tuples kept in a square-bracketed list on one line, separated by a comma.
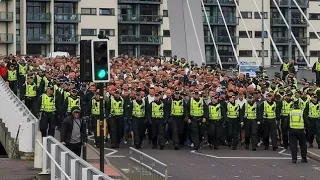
[(61, 163), (17, 118), (145, 167)]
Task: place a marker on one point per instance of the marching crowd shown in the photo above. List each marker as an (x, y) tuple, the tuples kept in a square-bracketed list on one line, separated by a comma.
[(168, 101)]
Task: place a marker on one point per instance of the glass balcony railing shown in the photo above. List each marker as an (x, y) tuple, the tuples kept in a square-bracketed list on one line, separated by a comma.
[(140, 39), (301, 3), (294, 21), (36, 17), (130, 18), (216, 20), (6, 16), (6, 38), (285, 40), (141, 1), (221, 39), (38, 38), (67, 39), (222, 2), (69, 18)]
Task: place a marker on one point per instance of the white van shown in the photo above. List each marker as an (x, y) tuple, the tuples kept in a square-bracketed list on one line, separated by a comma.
[(58, 53)]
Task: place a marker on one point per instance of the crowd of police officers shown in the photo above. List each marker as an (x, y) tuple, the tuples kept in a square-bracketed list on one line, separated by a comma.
[(285, 111)]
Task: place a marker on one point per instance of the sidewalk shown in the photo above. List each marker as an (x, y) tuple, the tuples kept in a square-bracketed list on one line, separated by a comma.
[(15, 169), (314, 153)]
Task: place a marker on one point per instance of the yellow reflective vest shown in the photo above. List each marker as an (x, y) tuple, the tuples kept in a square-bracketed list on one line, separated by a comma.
[(48, 103), (177, 108), (12, 75), (285, 67), (116, 107), (73, 102), (296, 119), (157, 110), (138, 110), (232, 110), (317, 66), (269, 111), (23, 70), (314, 110), (31, 90), (286, 108), (215, 112), (196, 108), (95, 107), (251, 111)]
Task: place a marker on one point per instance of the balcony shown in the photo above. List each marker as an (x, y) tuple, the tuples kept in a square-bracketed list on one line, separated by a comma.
[(6, 16), (296, 22), (140, 1), (140, 39), (221, 40), (225, 59), (67, 0), (303, 41), (140, 19), (66, 39), (38, 17), (6, 38), (300, 59), (38, 38), (67, 18), (222, 2), (285, 3), (215, 20)]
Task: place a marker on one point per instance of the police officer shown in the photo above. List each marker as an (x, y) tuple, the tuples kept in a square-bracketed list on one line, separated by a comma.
[(115, 112), (297, 125), (285, 69), (196, 118), (312, 114), (47, 109), (94, 108), (71, 101), (156, 116), (233, 122), (22, 72), (316, 70), (248, 117), (29, 94), (269, 115), (137, 114), (12, 77), (216, 115), (286, 105), (177, 112), (304, 100), (39, 77), (45, 82)]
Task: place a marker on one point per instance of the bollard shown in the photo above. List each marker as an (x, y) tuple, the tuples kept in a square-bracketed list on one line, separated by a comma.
[(38, 151)]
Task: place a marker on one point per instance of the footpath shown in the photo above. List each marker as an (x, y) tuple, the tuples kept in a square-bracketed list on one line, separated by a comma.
[(314, 153)]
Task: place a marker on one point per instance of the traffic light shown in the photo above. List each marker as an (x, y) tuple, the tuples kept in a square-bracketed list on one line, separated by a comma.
[(100, 61), (85, 61)]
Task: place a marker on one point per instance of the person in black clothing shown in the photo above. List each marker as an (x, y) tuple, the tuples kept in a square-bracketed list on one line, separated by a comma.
[(73, 131)]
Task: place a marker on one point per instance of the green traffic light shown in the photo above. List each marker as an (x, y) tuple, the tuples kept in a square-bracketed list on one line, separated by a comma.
[(102, 73)]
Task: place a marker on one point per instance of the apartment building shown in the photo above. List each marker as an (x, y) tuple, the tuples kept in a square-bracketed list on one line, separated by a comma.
[(251, 49)]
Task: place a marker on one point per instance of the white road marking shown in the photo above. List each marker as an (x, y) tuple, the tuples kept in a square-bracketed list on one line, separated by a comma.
[(233, 165), (236, 176), (109, 155), (302, 176), (274, 165), (170, 176), (254, 165), (125, 170), (192, 164), (256, 176), (258, 158), (316, 168), (279, 176)]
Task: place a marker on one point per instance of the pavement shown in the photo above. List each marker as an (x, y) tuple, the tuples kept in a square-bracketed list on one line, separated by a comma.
[(223, 164), (15, 169)]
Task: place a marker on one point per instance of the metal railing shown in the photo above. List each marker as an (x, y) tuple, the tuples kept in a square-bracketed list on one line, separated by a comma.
[(217, 20), (6, 16), (67, 17), (6, 38), (221, 39), (141, 39), (294, 21), (67, 39), (222, 2), (132, 18), (145, 167), (302, 3), (39, 17), (61, 163), (39, 38), (14, 113), (140, 1)]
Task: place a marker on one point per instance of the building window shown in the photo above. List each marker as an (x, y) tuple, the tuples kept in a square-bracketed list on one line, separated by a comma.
[(107, 32), (166, 33), (314, 53), (167, 53), (165, 13), (312, 35), (246, 15), (245, 53), (243, 34), (106, 11), (257, 15), (259, 52), (112, 53), (314, 16), (88, 32), (88, 11), (258, 34)]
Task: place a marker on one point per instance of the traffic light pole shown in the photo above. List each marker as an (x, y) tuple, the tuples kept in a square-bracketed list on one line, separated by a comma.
[(101, 128)]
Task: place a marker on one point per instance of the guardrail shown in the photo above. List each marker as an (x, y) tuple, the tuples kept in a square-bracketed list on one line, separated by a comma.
[(61, 163), (145, 167), (14, 113)]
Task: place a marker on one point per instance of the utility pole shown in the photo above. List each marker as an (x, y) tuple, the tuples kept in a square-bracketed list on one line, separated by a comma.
[(290, 30), (262, 32)]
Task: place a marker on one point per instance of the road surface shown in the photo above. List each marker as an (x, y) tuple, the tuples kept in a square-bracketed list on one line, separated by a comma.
[(223, 164)]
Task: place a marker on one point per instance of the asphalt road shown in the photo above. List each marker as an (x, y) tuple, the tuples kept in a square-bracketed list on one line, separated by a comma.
[(223, 164)]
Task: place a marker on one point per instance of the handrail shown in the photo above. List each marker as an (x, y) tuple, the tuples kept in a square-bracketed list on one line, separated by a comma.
[(54, 161), (142, 153)]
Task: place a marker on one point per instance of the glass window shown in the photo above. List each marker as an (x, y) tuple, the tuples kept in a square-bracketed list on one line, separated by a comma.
[(258, 34), (88, 32), (312, 35), (243, 34), (165, 13), (259, 52), (167, 53), (88, 11), (106, 11), (246, 15), (112, 53), (245, 53), (314, 53), (166, 33), (314, 16), (64, 8), (257, 15), (65, 29), (151, 30), (107, 32), (149, 50)]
